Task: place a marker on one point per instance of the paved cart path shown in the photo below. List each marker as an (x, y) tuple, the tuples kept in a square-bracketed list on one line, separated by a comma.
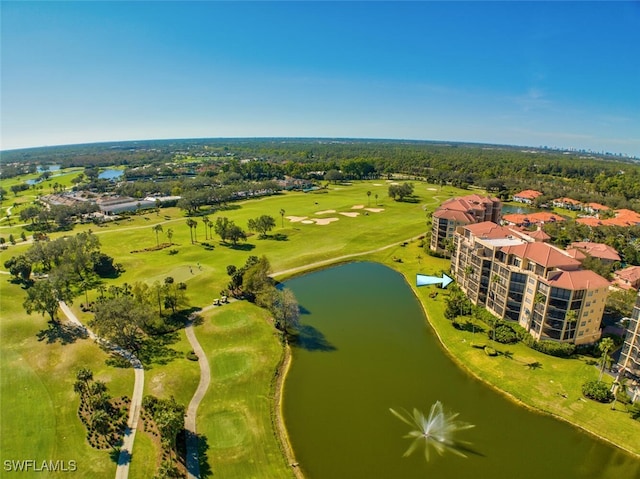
[(124, 460)]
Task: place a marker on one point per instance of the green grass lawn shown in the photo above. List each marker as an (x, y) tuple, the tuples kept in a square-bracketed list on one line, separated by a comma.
[(243, 349), (45, 419)]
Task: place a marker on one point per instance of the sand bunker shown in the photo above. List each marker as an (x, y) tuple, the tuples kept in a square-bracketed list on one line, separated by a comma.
[(295, 219), (350, 214), (325, 212), (378, 184), (325, 221), (357, 207), (307, 222), (375, 210), (432, 189)]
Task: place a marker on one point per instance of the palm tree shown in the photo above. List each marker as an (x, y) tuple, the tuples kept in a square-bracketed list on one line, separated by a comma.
[(157, 229), (369, 198), (605, 345), (571, 318), (191, 223), (436, 431), (282, 216), (170, 235), (206, 221), (619, 384), (376, 199)]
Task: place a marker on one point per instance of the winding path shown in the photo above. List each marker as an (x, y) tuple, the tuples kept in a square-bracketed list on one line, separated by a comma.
[(193, 464), (124, 460)]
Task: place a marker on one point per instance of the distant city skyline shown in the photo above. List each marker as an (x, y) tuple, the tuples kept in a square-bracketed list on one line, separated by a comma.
[(557, 74)]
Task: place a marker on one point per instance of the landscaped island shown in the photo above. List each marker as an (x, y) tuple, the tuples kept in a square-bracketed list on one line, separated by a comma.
[(194, 243)]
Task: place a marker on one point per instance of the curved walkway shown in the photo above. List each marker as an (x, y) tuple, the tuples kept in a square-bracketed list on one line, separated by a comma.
[(193, 464), (124, 460)]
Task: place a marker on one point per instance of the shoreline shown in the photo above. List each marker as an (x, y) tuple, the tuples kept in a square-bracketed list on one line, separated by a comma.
[(283, 369), (280, 428), (501, 391)]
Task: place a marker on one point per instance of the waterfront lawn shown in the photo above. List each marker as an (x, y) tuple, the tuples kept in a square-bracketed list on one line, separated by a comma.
[(235, 417), (545, 383)]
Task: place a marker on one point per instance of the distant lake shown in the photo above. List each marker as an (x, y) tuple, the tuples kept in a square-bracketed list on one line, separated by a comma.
[(42, 169), (110, 174)]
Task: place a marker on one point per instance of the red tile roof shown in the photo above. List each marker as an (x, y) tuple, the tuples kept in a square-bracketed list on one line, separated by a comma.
[(598, 207), (589, 221), (576, 280), (468, 205), (569, 201), (538, 235), (453, 215), (623, 218), (540, 217), (543, 254), (488, 229), (597, 250), (528, 194), (628, 277), (576, 254)]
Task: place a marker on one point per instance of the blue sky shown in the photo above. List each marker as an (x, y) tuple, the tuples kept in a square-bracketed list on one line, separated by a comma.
[(539, 73)]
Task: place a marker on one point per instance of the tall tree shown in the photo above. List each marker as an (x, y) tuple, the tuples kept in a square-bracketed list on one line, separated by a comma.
[(235, 234), (206, 221), (43, 297), (282, 216), (222, 227), (120, 320), (604, 346), (157, 229), (191, 223), (286, 311), (263, 224)]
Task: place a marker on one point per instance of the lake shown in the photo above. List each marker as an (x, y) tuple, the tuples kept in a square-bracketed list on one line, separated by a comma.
[(521, 210), (367, 347), (110, 174)]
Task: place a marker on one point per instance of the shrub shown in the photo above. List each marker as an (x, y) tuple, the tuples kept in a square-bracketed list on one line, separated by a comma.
[(634, 410), (553, 348), (192, 356), (489, 351), (521, 333), (598, 391), (504, 334), (478, 345)]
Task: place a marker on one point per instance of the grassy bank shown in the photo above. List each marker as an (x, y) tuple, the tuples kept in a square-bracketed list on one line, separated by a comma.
[(553, 386)]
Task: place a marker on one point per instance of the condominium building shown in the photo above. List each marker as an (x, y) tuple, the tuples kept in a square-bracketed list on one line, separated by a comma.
[(630, 356), (461, 211), (534, 283)]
